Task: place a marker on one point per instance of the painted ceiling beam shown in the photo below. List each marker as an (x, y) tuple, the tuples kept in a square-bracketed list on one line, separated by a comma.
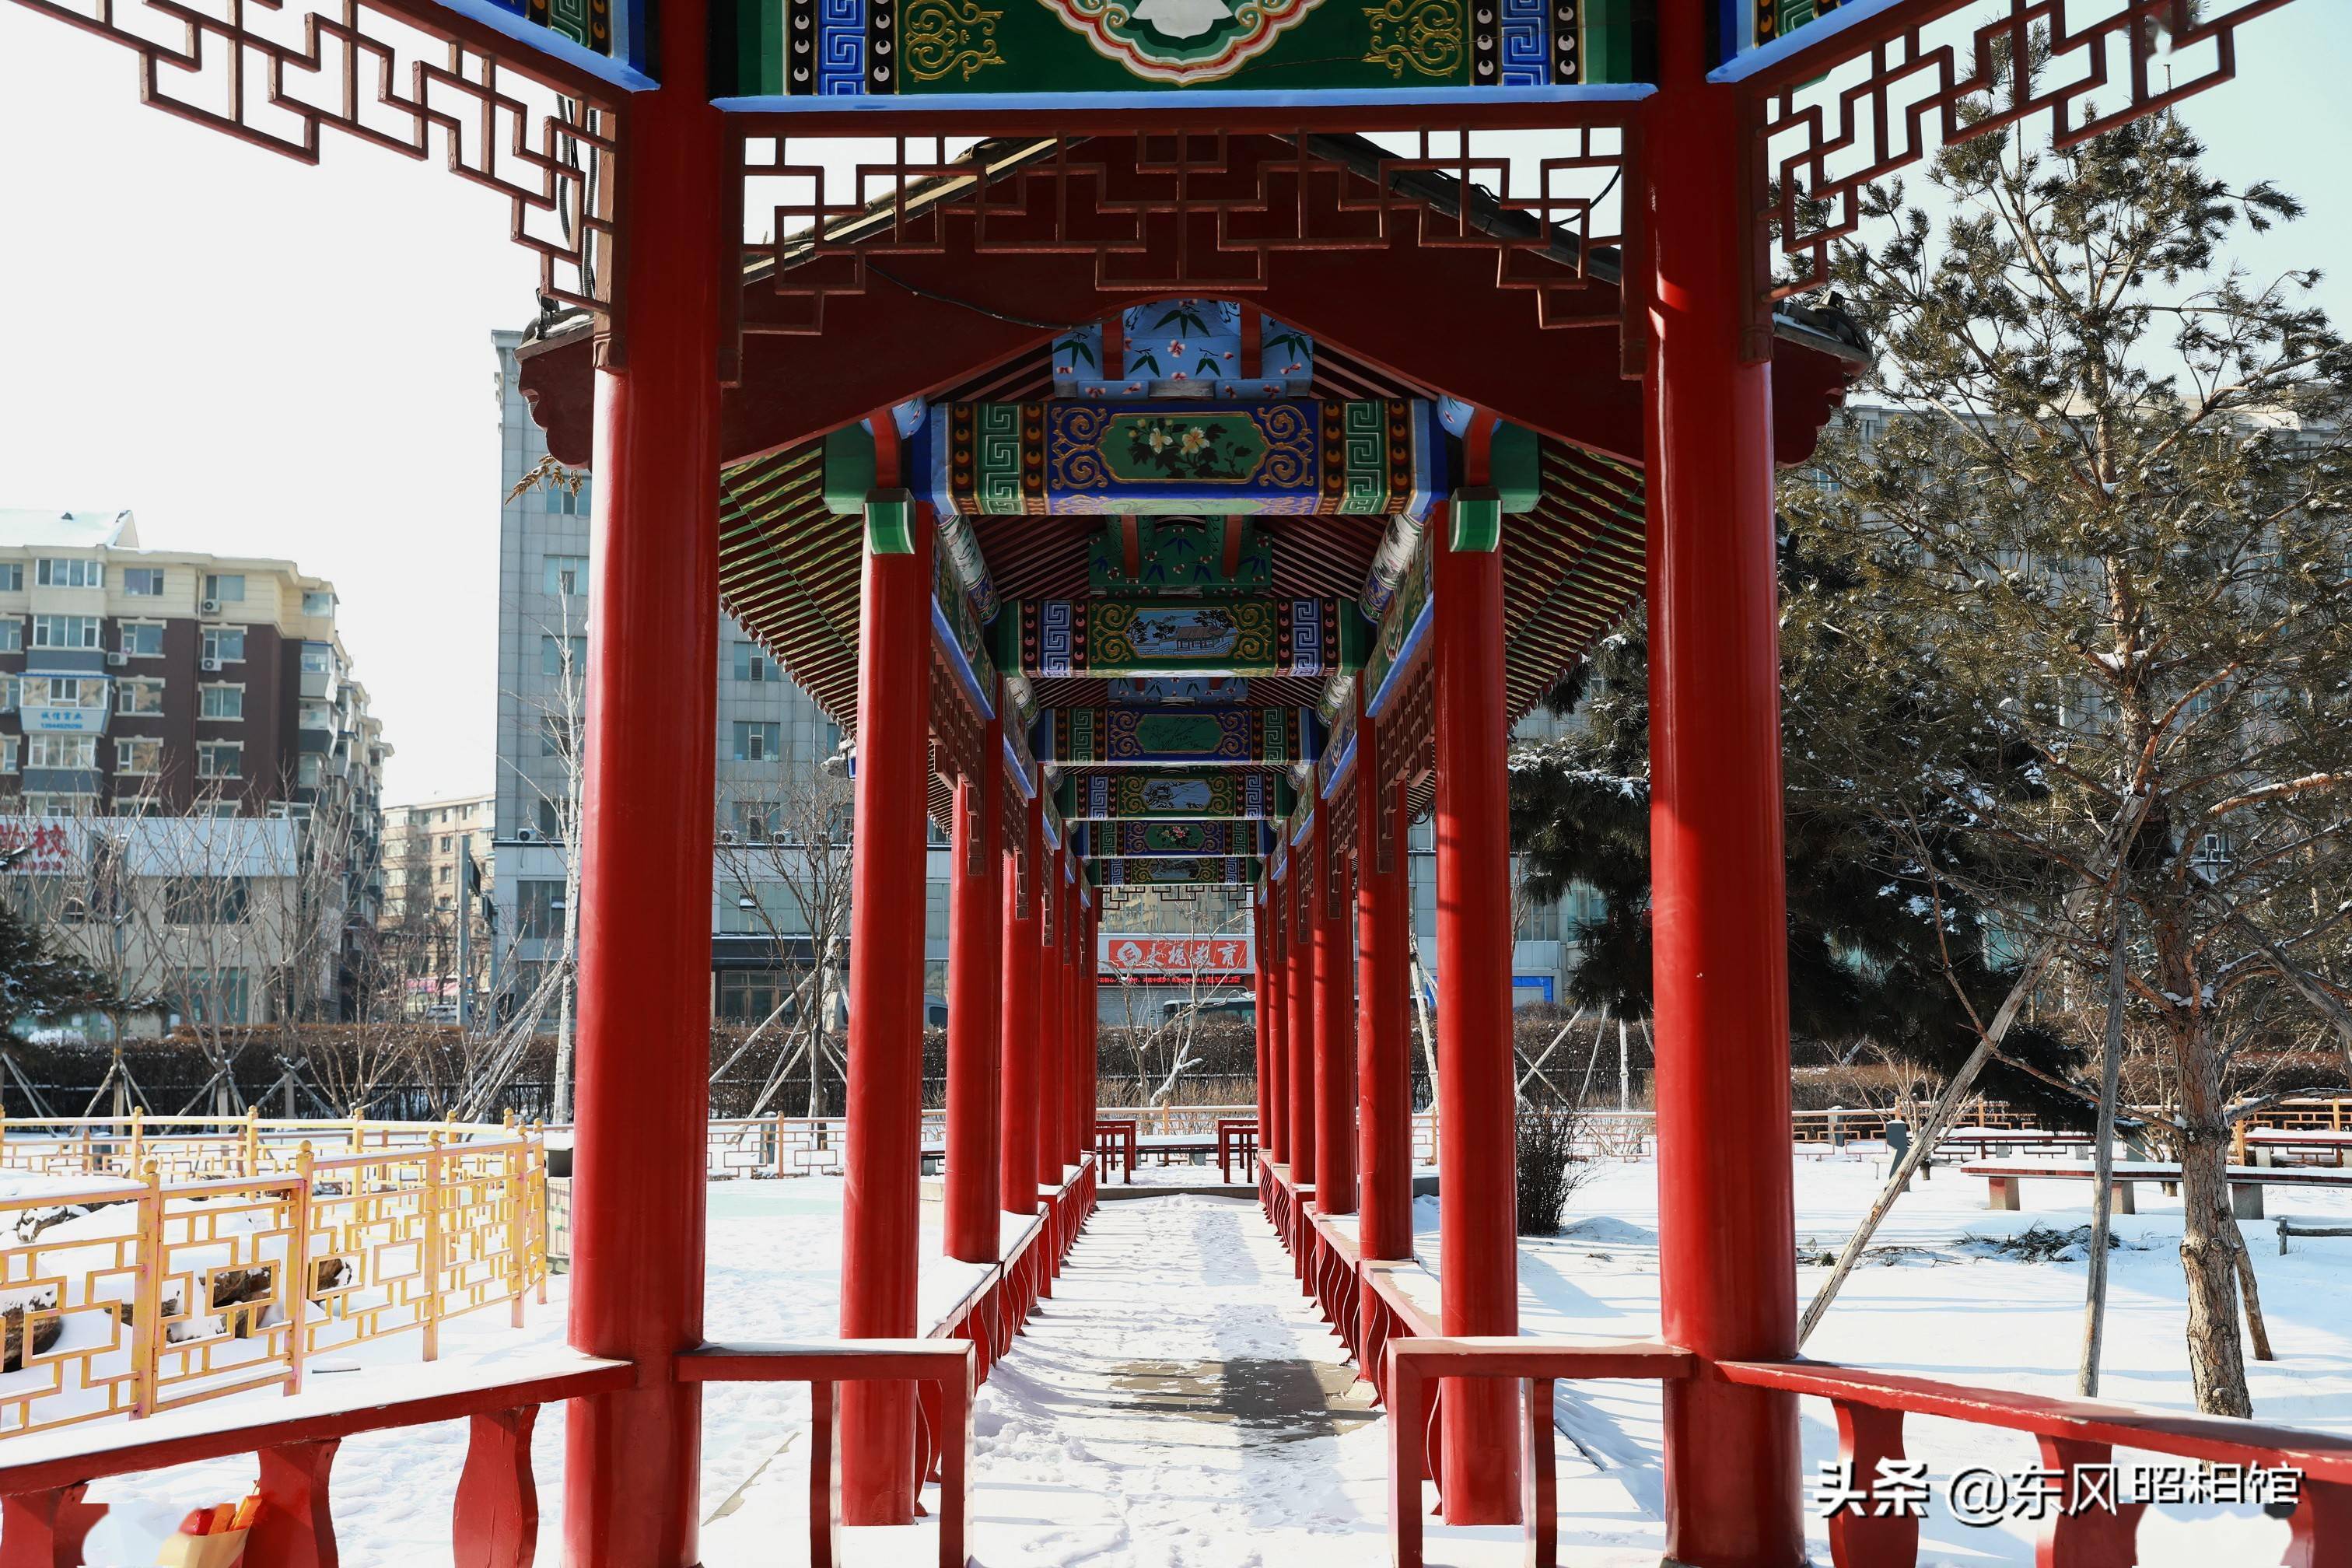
[(1184, 458), (1047, 639), (1173, 737), (1126, 873), (1174, 840), (1156, 797)]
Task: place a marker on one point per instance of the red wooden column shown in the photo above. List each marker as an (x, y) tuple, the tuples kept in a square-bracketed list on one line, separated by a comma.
[(1017, 1020), (1259, 1013), (1301, 983), (881, 1162), (1090, 1015), (644, 842), (975, 966), (1089, 1019), (1073, 1066), (1274, 1129), (1479, 1269), (1384, 1068), (1335, 1028), (1727, 1227), (1048, 1021)]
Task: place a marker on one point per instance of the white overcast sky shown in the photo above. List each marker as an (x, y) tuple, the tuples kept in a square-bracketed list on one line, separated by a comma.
[(261, 358)]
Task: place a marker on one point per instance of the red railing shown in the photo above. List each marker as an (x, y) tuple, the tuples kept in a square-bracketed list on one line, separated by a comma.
[(494, 1519), (1414, 1366), (1236, 1141), (948, 1374), (2075, 1437), (1115, 1143), (495, 1514), (1395, 1342)]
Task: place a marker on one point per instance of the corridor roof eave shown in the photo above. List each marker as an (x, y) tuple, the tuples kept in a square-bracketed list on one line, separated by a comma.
[(790, 566), (948, 315)]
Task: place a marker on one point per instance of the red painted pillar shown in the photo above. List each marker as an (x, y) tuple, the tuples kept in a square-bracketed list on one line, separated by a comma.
[(1048, 1021), (1384, 1104), (1260, 1014), (1727, 1226), (881, 1189), (1274, 1130), (1335, 1028), (975, 966), (1090, 1017), (1477, 1148), (1074, 1065), (1301, 986), (643, 1103), (1018, 1021)]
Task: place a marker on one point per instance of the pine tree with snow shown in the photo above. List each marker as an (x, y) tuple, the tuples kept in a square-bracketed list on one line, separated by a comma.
[(2101, 550), (37, 984)]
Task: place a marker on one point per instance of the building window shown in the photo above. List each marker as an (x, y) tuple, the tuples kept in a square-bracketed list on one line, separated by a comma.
[(144, 582), (136, 756), (316, 716), (220, 759), (12, 692), (56, 571), (137, 696), (220, 703), (310, 770), (553, 653), (317, 658), (224, 644), (758, 742), (551, 820), (63, 691), (61, 751), (8, 753), (65, 631), (748, 996), (318, 602), (12, 633), (753, 663), (140, 639), (60, 806), (567, 576), (228, 587), (554, 735), (12, 576), (441, 874), (539, 909), (212, 995), (205, 901), (756, 821)]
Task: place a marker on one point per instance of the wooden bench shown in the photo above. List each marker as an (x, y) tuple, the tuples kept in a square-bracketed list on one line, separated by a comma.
[(2246, 1182)]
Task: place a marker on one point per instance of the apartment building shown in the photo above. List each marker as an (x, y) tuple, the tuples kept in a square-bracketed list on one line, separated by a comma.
[(426, 846), (773, 742), (137, 683)]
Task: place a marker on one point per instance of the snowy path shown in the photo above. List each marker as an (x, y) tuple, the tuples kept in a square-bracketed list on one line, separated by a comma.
[(1180, 1385), (1176, 1404)]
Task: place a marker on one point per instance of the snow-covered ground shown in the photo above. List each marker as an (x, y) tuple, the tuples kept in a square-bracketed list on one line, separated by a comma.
[(1177, 1403)]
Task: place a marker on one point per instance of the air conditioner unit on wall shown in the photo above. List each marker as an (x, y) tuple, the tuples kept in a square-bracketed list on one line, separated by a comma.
[(118, 660), (208, 606), (726, 836), (526, 834), (212, 667)]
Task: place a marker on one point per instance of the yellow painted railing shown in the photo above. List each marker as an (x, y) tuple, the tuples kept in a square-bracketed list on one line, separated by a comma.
[(151, 1263)]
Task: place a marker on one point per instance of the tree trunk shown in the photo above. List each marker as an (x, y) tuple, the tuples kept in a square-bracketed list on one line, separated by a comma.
[(2103, 1187), (2210, 1243)]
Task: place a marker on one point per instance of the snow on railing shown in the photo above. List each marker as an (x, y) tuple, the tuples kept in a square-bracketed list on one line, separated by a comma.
[(1394, 1341), (126, 1295)]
